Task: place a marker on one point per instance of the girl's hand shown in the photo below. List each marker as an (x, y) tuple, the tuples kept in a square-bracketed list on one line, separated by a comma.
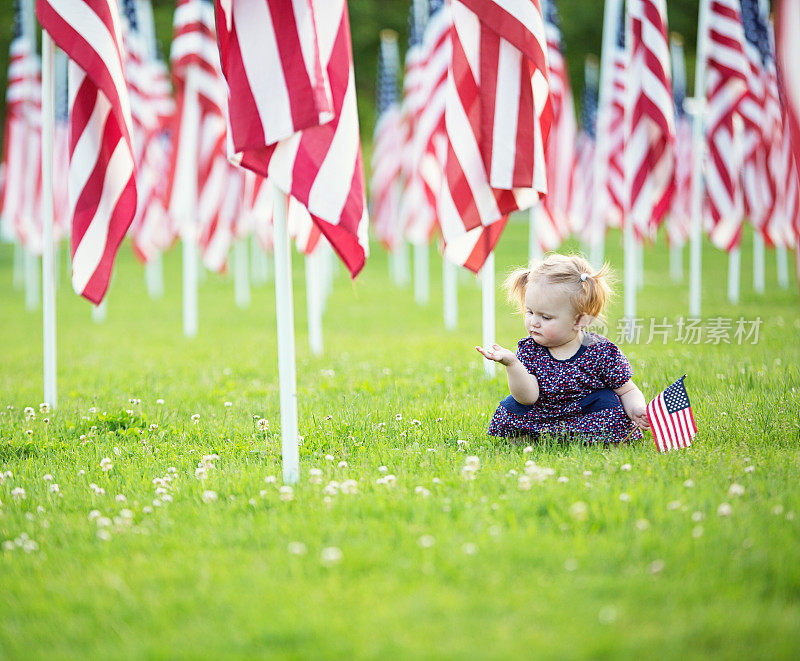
[(639, 417), (498, 354)]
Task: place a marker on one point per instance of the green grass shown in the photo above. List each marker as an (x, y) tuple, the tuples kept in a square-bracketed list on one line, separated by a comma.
[(476, 569)]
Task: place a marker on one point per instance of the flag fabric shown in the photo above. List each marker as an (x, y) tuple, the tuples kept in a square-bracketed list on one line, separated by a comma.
[(680, 211), (761, 113), (102, 171), (581, 210), (554, 225), (429, 142), (21, 195), (292, 108), (649, 160), (387, 147), (671, 419), (498, 115), (726, 85)]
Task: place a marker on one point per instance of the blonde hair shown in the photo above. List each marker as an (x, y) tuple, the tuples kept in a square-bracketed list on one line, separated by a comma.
[(588, 291)]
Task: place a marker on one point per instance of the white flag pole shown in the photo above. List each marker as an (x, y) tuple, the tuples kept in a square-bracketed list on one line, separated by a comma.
[(402, 263), (48, 256), (534, 247), (450, 293), (241, 273), (758, 261), (315, 291), (154, 277), (487, 298), (631, 266), (287, 369), (597, 230), (698, 110), (422, 279), (734, 274)]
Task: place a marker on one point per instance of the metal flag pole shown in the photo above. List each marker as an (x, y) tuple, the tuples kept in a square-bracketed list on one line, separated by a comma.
[(284, 311), (698, 150), (48, 256)]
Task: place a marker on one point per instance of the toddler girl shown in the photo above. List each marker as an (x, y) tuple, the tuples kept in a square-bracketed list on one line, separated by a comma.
[(564, 380)]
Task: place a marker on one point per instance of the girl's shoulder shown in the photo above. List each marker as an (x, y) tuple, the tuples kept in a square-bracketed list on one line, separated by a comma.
[(598, 344)]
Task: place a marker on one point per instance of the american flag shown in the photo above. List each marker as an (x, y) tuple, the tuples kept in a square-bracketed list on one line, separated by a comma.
[(680, 212), (649, 118), (671, 418), (726, 85), (498, 115), (555, 223), (102, 172), (760, 110), (22, 154), (582, 194), (429, 141), (292, 106), (387, 146)]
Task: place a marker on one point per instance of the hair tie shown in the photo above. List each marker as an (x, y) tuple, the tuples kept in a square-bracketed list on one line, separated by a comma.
[(584, 276)]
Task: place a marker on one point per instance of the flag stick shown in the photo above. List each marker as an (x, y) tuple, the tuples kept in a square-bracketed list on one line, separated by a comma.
[(597, 230), (241, 273), (734, 269), (48, 256), (284, 311), (154, 277), (422, 284), (782, 266), (314, 299), (698, 151), (487, 289), (758, 261), (534, 248), (676, 261), (450, 293)]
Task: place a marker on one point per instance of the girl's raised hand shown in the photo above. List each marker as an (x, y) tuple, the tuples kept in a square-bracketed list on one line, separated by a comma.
[(497, 354)]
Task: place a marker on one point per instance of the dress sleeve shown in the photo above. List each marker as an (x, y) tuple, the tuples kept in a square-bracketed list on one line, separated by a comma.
[(526, 349), (613, 367)]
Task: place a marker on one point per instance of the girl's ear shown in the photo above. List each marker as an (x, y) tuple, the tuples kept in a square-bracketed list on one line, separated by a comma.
[(583, 320)]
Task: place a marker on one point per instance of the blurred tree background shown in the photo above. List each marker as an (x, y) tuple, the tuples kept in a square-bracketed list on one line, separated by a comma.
[(581, 24)]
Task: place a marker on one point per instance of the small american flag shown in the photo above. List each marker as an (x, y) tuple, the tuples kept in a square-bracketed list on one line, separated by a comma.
[(671, 419)]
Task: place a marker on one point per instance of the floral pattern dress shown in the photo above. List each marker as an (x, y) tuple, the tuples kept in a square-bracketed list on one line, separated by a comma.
[(576, 395)]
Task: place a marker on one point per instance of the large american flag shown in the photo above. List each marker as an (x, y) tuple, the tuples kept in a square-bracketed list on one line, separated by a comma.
[(671, 418), (292, 106), (387, 147), (554, 225), (21, 152), (649, 118), (760, 110), (727, 71), (102, 173), (498, 115), (680, 212)]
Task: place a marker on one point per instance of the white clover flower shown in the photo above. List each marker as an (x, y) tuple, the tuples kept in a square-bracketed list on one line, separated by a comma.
[(18, 493), (656, 567), (297, 548), (625, 467), (698, 516), (697, 532), (195, 418), (270, 479), (587, 473), (469, 548), (331, 489), (102, 521), (349, 487), (689, 484), (227, 405), (29, 413), (167, 498), (422, 491), (106, 464), (201, 472), (562, 479), (398, 417), (777, 510), (460, 442), (468, 472), (674, 504), (172, 470), (147, 509), (625, 497), (125, 513), (436, 480), (736, 490), (416, 423), (8, 545), (528, 449), (328, 417), (642, 524), (159, 401), (342, 464), (103, 535), (120, 498), (383, 469), (390, 480), (331, 555), (286, 493), (262, 424), (117, 452), (47, 477), (749, 469), (579, 511), (314, 475), (160, 491), (54, 488), (29, 432), (724, 510), (209, 496), (426, 541), (524, 482), (473, 461)]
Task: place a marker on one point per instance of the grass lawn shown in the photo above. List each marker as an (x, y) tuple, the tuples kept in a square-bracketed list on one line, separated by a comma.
[(619, 553)]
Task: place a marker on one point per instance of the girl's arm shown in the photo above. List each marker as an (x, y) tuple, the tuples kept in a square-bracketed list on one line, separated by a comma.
[(523, 385), (633, 403)]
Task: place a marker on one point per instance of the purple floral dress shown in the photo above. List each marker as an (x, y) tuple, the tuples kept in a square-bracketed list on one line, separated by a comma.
[(576, 397)]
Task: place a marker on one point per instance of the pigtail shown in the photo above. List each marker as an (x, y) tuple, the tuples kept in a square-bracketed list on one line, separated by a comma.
[(597, 289), (515, 285)]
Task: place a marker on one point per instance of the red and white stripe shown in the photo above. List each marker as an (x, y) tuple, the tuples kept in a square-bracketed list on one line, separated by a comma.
[(560, 152), (671, 431), (102, 174), (680, 211), (726, 85), (498, 115), (385, 179), (278, 99), (649, 118), (581, 207)]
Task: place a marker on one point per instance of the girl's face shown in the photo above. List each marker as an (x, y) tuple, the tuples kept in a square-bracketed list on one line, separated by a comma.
[(550, 318)]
